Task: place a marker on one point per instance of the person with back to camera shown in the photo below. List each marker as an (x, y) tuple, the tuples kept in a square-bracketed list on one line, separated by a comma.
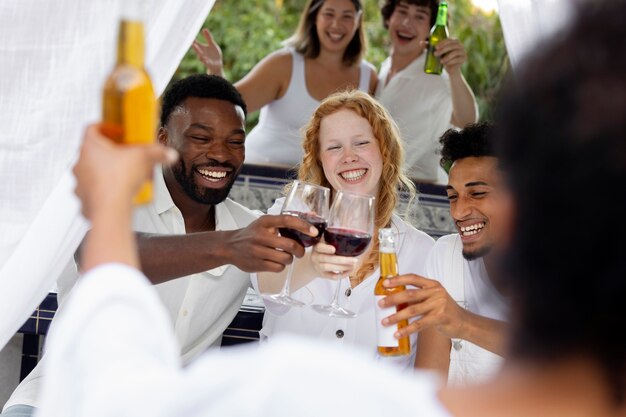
[(423, 105), (560, 132), (460, 313), (350, 144), (323, 56)]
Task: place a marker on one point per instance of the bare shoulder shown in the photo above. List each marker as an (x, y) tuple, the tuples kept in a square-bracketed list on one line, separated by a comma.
[(373, 77)]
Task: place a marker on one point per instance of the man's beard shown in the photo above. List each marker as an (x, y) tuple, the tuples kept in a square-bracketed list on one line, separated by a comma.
[(203, 195), (477, 253)]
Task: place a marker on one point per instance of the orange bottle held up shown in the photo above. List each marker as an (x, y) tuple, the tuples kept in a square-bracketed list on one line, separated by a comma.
[(129, 106), (388, 345)]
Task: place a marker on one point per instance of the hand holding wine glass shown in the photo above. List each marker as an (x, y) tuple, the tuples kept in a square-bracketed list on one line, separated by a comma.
[(308, 202), (349, 230)]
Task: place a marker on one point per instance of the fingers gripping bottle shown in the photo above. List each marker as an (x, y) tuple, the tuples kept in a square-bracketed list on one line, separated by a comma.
[(388, 345), (129, 106), (437, 34)]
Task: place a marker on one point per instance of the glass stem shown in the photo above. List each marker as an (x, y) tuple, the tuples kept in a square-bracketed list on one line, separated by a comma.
[(285, 291), (335, 302)]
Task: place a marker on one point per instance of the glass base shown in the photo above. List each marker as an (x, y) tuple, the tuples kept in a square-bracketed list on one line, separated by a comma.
[(283, 299), (333, 311)]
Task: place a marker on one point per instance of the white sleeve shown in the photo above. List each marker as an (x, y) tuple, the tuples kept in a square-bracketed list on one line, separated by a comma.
[(112, 341)]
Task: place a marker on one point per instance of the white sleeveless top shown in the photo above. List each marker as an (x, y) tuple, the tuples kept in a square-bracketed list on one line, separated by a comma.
[(277, 138)]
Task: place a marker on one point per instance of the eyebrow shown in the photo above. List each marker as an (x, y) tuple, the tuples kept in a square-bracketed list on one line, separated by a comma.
[(476, 183), (209, 129)]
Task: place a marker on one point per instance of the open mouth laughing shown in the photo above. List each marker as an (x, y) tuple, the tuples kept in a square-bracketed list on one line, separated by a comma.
[(213, 174), (472, 229), (353, 175)]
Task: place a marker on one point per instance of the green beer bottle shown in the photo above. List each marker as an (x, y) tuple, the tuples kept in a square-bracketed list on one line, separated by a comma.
[(437, 33)]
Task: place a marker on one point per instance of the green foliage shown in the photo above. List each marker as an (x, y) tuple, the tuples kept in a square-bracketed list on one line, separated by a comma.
[(248, 30)]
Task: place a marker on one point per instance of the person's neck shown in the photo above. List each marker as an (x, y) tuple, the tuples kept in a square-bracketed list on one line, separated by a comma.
[(401, 61), (572, 387), (199, 217)]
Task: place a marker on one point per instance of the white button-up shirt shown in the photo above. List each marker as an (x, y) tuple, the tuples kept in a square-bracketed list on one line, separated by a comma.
[(201, 305), (412, 248), (421, 105)]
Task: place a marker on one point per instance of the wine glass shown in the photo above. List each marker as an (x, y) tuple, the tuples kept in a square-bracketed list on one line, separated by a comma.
[(349, 230), (308, 202)]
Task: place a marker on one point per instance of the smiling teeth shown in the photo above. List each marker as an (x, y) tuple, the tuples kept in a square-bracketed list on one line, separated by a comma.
[(217, 175), (355, 175), (472, 229), (335, 37)]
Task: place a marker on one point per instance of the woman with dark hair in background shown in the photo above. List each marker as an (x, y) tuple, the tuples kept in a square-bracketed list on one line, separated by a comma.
[(323, 56)]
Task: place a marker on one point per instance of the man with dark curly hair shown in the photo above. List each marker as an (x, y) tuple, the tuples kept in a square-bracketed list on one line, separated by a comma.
[(462, 327)]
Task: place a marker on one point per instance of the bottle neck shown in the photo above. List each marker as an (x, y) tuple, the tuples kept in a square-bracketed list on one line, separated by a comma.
[(442, 15), (130, 43), (388, 264)]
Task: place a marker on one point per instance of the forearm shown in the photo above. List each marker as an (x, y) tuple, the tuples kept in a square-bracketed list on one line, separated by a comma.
[(464, 109), (164, 257), (110, 238), (487, 333), (433, 351)]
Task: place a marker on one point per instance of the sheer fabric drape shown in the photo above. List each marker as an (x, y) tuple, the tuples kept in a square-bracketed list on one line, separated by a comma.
[(54, 57), (528, 23)]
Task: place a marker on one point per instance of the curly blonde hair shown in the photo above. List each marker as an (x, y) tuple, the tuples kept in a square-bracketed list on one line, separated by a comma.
[(391, 184)]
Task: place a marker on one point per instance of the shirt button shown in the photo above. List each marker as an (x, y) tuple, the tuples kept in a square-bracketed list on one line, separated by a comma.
[(339, 334), (348, 292), (185, 313)]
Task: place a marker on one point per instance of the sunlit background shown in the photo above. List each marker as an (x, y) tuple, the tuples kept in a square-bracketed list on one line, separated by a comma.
[(488, 6)]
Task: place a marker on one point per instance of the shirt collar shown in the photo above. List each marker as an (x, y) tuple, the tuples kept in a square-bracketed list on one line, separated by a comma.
[(163, 202), (162, 198)]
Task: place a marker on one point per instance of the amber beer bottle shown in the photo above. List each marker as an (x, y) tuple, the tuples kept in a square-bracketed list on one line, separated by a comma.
[(437, 33), (129, 107), (388, 345)]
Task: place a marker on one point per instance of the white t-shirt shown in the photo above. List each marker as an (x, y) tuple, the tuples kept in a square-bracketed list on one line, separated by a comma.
[(117, 318), (472, 288), (277, 138), (199, 306), (412, 247), (421, 105)]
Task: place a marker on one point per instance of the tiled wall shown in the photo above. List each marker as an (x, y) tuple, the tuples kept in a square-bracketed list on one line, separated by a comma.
[(257, 187)]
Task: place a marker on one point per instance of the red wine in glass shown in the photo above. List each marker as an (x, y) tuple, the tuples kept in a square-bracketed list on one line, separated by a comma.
[(305, 240), (347, 242)]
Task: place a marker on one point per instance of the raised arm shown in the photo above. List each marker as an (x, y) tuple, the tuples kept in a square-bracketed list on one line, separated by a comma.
[(266, 82), (452, 55), (257, 247), (436, 309)]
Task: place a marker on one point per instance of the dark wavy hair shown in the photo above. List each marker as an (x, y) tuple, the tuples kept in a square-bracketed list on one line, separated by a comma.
[(389, 6), (199, 85), (561, 136), (306, 41), (474, 140)]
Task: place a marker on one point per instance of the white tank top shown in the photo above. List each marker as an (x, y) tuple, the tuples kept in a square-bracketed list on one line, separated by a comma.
[(277, 138)]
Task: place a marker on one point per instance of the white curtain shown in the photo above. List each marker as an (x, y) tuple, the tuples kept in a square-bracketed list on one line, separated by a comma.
[(54, 57), (528, 23)]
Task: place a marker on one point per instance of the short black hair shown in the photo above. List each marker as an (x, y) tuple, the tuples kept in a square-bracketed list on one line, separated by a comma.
[(474, 140), (561, 136), (199, 85), (389, 6)]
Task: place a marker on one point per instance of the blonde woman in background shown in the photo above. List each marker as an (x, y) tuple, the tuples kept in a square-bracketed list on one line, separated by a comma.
[(323, 56)]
